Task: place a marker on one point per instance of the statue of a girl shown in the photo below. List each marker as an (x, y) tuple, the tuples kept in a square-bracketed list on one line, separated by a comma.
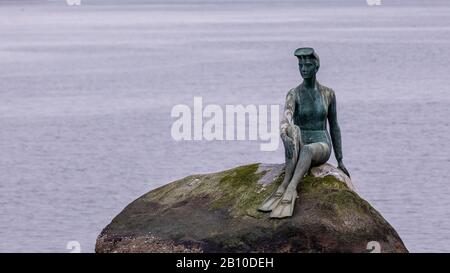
[(304, 133)]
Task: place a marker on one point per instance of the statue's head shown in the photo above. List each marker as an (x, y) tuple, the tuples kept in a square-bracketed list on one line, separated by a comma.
[(308, 62)]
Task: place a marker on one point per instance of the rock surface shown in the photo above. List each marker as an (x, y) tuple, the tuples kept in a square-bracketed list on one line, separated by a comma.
[(218, 213)]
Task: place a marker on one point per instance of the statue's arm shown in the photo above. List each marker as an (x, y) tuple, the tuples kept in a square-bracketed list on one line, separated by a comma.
[(287, 123), (289, 109), (335, 132)]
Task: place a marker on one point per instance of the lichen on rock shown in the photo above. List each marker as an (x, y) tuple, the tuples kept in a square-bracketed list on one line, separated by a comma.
[(218, 213)]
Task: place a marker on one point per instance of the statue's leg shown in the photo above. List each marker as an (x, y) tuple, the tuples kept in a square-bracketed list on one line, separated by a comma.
[(314, 153), (291, 162), (311, 153)]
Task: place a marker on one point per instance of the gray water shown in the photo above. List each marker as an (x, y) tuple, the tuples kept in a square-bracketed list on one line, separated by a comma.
[(86, 94)]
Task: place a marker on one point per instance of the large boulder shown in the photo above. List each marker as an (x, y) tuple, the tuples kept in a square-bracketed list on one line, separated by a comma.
[(218, 213)]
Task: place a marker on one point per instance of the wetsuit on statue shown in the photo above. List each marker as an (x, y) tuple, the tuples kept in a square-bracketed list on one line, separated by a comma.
[(304, 133)]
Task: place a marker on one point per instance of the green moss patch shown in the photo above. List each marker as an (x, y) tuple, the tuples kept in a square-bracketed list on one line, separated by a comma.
[(311, 184), (241, 192)]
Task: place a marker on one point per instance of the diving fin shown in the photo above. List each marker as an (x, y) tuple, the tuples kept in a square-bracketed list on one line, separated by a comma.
[(270, 202), (284, 208)]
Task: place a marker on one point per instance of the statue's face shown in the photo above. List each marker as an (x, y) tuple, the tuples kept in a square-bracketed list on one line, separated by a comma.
[(307, 67)]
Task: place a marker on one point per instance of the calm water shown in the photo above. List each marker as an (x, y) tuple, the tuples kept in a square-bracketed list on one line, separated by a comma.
[(86, 94)]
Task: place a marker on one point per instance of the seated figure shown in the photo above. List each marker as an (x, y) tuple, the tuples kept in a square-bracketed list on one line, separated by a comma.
[(304, 133)]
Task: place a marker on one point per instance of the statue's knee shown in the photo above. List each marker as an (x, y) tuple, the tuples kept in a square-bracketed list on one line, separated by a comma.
[(289, 131), (293, 131), (307, 149)]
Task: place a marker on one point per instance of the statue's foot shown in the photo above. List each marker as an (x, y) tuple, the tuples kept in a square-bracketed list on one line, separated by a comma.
[(285, 207), (280, 191), (270, 202), (289, 194)]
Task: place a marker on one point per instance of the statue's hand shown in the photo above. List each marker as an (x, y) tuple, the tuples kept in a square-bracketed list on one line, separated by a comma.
[(342, 167), (289, 145)]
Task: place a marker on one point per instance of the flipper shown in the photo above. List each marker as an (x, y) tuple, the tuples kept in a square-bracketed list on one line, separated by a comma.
[(284, 208), (271, 202)]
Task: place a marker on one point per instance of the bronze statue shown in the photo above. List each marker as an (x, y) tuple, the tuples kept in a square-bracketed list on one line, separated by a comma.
[(304, 133)]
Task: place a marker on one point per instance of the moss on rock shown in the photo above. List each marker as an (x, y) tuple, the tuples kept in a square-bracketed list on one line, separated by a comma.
[(218, 213)]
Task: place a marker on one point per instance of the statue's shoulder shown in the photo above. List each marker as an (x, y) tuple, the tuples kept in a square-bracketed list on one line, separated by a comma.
[(327, 91), (292, 93)]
